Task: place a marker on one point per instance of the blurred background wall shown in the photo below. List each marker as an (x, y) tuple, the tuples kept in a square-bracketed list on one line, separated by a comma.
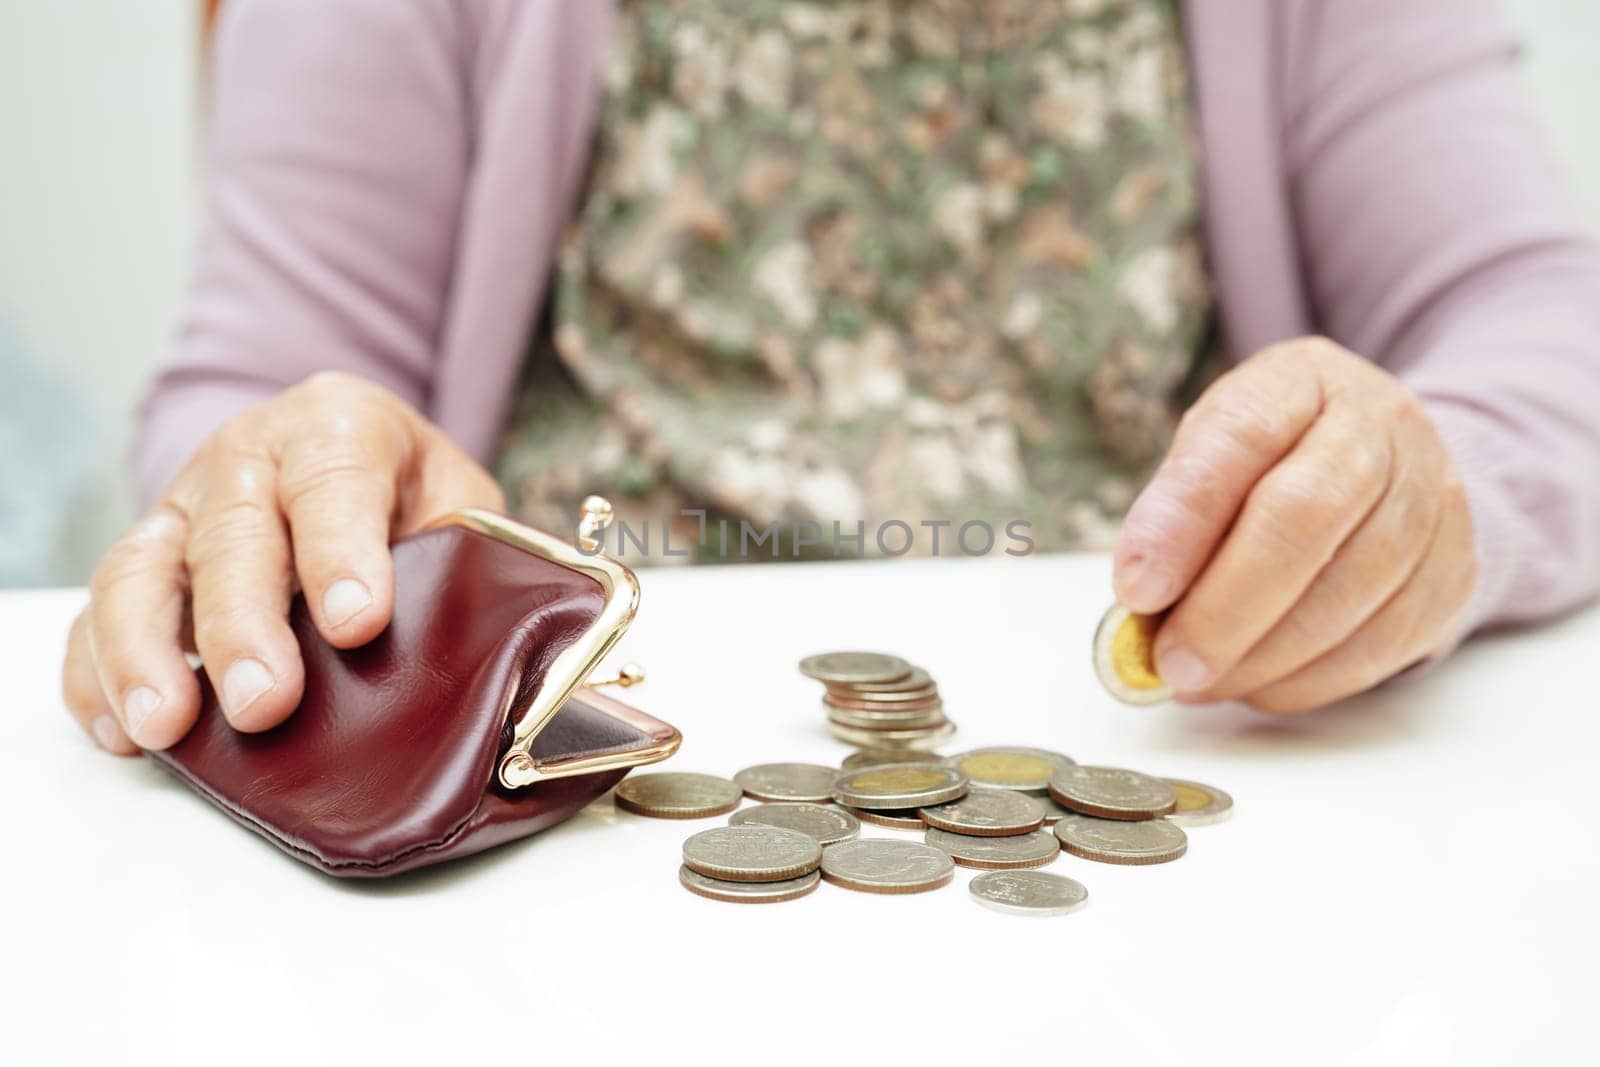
[(99, 110)]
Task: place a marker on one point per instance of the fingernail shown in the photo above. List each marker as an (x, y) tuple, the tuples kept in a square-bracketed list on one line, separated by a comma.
[(246, 680), (137, 707), (344, 600), (107, 733), (1181, 669), (1142, 585)]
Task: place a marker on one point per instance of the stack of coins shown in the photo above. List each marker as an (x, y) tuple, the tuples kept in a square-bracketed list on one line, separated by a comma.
[(879, 702)]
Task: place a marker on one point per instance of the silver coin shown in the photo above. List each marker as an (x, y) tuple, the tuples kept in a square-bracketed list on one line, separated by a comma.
[(932, 737), (917, 679), (877, 757), (829, 825), (1119, 841), (1026, 770), (751, 853), (677, 795), (893, 818), (1198, 804), (749, 892), (1052, 810), (899, 785), (1028, 892), (1112, 793), (853, 699), (810, 782), (928, 719), (997, 853), (851, 668), (880, 866), (987, 813)]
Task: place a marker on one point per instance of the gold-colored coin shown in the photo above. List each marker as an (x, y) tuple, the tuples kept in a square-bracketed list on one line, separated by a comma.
[(1124, 657), (1198, 804), (892, 786), (1026, 770)]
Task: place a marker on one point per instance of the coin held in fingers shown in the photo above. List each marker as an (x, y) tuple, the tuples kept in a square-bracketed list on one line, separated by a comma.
[(1124, 657)]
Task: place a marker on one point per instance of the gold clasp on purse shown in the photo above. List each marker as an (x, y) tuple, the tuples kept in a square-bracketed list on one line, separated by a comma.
[(573, 666)]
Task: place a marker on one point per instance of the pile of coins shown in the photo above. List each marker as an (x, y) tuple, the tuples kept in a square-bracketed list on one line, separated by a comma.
[(1004, 811), (878, 701)]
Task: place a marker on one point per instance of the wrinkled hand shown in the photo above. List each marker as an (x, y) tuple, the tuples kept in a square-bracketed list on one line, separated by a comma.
[(305, 489), (1308, 530)]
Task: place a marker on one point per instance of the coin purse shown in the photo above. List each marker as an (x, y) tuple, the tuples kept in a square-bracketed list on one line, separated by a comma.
[(464, 725)]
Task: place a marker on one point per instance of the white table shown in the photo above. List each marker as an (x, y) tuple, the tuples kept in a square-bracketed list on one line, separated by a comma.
[(1412, 878)]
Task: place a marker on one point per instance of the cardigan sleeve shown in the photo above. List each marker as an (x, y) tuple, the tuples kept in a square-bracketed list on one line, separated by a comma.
[(339, 154), (1437, 239)]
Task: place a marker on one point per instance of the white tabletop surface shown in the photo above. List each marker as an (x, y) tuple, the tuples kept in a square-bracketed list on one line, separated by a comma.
[(1412, 878)]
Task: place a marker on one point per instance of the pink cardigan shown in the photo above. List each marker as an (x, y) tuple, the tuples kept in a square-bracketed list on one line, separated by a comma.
[(388, 180)]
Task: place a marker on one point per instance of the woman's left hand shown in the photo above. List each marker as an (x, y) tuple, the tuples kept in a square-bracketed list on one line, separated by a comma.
[(1308, 531)]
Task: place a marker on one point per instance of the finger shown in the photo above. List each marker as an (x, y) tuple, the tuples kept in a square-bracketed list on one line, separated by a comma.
[(1292, 524), (1237, 431), (135, 616), (338, 495), (1380, 557), (1410, 626), (446, 479), (238, 559), (80, 689)]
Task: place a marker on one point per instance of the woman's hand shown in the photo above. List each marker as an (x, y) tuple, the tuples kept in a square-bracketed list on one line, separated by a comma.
[(306, 489), (1308, 531)]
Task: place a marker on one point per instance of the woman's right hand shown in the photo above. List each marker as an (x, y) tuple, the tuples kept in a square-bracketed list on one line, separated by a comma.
[(303, 491)]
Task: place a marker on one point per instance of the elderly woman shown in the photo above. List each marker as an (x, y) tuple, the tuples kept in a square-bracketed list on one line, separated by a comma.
[(873, 259)]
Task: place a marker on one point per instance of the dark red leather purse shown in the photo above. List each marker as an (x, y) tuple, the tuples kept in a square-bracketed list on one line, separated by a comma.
[(464, 725)]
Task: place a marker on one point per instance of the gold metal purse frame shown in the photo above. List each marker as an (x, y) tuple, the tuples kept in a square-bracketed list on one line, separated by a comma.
[(573, 666)]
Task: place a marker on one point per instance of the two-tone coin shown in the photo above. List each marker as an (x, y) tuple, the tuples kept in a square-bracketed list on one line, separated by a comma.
[(1198, 804), (748, 892), (1028, 892), (810, 782), (1124, 657), (1119, 841), (1026, 770), (752, 853), (882, 866), (1112, 792), (854, 668), (829, 825), (899, 785), (987, 813), (996, 853), (677, 795)]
